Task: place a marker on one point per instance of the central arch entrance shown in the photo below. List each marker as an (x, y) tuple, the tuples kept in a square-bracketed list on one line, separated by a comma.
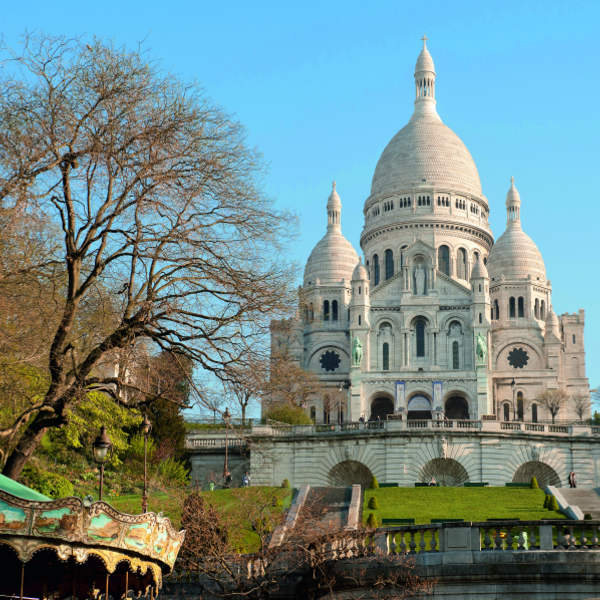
[(350, 472), (419, 408), (381, 407), (447, 472), (544, 474), (457, 407)]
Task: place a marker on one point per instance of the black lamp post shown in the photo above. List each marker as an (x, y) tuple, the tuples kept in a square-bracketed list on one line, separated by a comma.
[(226, 417), (146, 429), (103, 449), (513, 387)]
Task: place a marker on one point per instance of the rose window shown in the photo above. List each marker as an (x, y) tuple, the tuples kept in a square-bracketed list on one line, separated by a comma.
[(330, 360), (518, 358)]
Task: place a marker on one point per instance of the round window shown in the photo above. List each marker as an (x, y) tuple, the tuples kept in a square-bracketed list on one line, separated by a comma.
[(330, 360), (518, 358)]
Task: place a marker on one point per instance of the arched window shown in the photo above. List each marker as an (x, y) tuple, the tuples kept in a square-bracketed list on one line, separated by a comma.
[(455, 359), (409, 202), (497, 315), (534, 416), (511, 308), (326, 310), (313, 413), (444, 260), (311, 311), (461, 266), (402, 255), (520, 406), (348, 315), (334, 310), (386, 357), (574, 338), (419, 200), (359, 319), (521, 307), (428, 203), (376, 268), (485, 260), (536, 308), (480, 318), (439, 203), (420, 330), (542, 310), (506, 412), (389, 264)]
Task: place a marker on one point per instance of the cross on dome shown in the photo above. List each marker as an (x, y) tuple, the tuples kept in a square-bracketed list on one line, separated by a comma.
[(334, 184), (424, 40)]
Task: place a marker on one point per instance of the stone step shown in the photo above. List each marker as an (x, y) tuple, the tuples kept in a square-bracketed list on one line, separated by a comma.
[(335, 500), (588, 501)]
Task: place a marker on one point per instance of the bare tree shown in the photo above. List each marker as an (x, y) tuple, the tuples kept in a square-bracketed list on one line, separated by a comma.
[(580, 405), (304, 557), (165, 230), (553, 401), (595, 396)]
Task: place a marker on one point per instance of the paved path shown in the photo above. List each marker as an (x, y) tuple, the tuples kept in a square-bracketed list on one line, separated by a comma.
[(588, 501)]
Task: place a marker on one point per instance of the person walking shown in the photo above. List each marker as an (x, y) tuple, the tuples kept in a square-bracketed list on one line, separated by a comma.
[(572, 479), (227, 480)]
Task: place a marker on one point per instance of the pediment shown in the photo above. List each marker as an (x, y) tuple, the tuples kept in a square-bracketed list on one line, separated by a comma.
[(392, 288), (449, 288)]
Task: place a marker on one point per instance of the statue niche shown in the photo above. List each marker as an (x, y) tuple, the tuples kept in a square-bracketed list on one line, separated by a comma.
[(420, 279)]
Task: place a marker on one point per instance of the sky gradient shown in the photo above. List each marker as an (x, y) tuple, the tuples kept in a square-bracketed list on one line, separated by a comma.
[(322, 87)]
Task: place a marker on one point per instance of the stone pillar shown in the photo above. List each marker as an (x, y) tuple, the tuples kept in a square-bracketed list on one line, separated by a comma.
[(355, 407)]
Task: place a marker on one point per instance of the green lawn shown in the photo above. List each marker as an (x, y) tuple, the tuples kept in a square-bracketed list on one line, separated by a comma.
[(470, 504)]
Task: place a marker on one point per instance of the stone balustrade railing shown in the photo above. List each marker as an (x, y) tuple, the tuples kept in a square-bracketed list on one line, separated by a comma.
[(216, 438), (505, 536)]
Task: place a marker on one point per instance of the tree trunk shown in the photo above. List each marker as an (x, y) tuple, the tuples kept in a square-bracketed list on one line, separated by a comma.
[(29, 441)]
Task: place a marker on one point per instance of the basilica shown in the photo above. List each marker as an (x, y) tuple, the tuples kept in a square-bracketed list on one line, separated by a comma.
[(436, 319)]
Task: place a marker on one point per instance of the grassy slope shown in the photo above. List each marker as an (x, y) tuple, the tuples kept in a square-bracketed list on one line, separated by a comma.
[(470, 504)]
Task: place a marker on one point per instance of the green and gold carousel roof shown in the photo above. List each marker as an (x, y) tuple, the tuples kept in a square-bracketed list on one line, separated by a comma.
[(74, 529)]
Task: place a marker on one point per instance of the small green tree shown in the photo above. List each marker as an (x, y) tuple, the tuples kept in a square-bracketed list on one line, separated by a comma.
[(553, 504), (533, 484), (374, 485), (373, 503), (286, 483), (546, 500), (587, 517), (372, 520)]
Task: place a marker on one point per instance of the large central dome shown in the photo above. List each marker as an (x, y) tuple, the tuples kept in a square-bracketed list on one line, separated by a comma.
[(425, 151), (428, 151)]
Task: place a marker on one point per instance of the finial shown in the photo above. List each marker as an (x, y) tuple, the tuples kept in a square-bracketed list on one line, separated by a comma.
[(512, 180), (424, 40), (334, 184)]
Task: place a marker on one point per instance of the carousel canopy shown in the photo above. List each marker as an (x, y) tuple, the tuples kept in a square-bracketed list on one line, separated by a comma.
[(11, 486)]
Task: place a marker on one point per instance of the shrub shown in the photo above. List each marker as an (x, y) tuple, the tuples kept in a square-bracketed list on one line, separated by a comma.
[(50, 484), (372, 520), (288, 413), (533, 484), (546, 500), (286, 483), (374, 485), (373, 503), (587, 517), (174, 472), (553, 504)]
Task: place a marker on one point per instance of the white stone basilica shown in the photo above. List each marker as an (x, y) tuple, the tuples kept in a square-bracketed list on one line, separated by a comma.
[(432, 283)]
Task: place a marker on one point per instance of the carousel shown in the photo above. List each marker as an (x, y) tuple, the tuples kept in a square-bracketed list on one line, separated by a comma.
[(79, 549)]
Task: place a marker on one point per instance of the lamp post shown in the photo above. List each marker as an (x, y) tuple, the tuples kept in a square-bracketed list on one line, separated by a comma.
[(103, 449), (226, 417), (146, 429), (513, 387)]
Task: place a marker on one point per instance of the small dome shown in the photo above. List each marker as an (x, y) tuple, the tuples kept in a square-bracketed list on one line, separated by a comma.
[(552, 325), (512, 197), (360, 273), (334, 200), (479, 270), (424, 62)]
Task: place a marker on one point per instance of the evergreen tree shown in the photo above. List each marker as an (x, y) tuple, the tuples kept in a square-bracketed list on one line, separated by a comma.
[(553, 504), (374, 484), (533, 484), (373, 503), (372, 520)]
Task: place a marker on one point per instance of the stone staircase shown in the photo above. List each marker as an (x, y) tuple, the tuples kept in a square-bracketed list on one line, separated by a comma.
[(336, 500), (588, 501)]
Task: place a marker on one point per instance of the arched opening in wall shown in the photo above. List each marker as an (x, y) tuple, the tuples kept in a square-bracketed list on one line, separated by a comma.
[(350, 472), (520, 407), (376, 268), (326, 310), (497, 310), (544, 474), (420, 337), (381, 407), (536, 308), (313, 413), (389, 264), (457, 407), (334, 310), (534, 415), (506, 409), (386, 356), (311, 311), (521, 307), (461, 264), (419, 408), (446, 471), (455, 356), (402, 255), (542, 310), (444, 260), (512, 308)]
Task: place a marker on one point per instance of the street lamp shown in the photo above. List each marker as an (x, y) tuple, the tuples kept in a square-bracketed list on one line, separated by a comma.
[(226, 418), (146, 429), (103, 449), (513, 387)]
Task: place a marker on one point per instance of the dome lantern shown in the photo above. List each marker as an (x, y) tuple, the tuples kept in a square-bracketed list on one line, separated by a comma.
[(425, 82), (334, 211), (513, 204)]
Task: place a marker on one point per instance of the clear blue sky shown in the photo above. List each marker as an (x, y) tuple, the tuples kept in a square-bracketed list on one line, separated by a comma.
[(323, 86)]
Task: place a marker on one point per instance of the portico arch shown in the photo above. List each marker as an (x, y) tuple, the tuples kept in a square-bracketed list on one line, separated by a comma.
[(419, 407), (381, 407), (456, 407), (446, 471), (544, 474), (350, 472)]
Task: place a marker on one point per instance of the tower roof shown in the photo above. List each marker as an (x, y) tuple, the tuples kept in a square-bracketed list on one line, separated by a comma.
[(424, 62)]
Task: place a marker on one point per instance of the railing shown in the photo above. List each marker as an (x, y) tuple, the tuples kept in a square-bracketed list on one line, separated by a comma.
[(485, 536), (534, 427), (214, 442), (558, 429), (510, 425)]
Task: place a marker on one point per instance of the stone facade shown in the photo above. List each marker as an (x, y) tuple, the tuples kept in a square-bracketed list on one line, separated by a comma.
[(433, 282)]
